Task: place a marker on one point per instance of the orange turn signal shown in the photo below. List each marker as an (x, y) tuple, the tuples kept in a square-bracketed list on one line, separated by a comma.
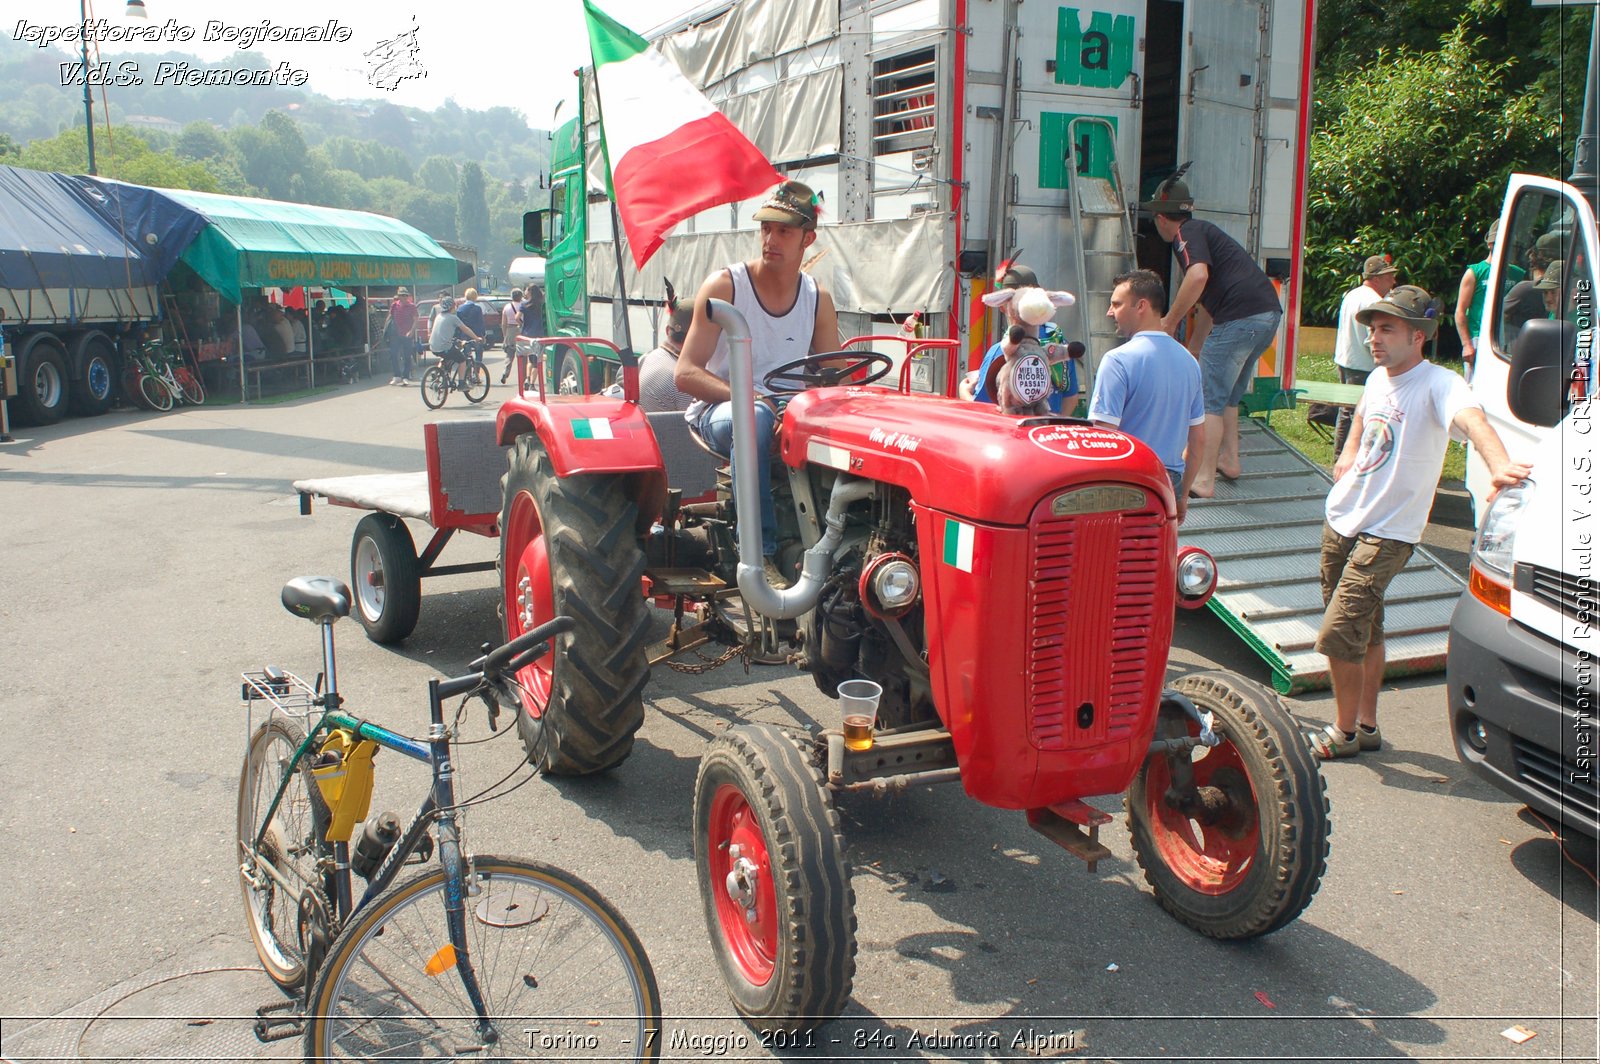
[(1490, 592)]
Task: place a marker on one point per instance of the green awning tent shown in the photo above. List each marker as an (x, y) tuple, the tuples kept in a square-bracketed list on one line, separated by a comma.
[(256, 243)]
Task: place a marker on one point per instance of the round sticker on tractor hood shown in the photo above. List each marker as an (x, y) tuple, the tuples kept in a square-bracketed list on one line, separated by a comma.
[(1082, 441)]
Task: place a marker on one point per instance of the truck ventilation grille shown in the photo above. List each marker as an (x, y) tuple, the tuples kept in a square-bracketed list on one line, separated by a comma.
[(1573, 597), (1092, 597), (1559, 780)]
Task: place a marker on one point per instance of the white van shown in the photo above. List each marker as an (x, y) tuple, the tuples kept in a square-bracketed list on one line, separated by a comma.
[(1524, 650)]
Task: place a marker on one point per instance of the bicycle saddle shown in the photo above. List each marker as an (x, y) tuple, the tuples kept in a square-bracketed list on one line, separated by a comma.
[(317, 598)]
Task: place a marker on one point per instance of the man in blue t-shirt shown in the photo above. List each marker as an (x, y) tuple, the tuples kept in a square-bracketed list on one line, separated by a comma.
[(1063, 374), (1150, 386)]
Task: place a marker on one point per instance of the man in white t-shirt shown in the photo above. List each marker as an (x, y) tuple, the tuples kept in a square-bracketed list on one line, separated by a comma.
[(1384, 483), (1352, 346)]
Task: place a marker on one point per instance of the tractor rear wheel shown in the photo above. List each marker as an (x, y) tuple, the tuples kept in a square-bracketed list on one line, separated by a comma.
[(568, 547), (1241, 852), (774, 880)]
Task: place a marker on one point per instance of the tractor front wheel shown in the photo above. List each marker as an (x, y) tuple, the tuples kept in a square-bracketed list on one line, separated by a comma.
[(568, 548), (1237, 849), (773, 879)]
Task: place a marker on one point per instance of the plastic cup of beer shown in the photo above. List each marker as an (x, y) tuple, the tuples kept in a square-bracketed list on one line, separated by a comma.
[(858, 703)]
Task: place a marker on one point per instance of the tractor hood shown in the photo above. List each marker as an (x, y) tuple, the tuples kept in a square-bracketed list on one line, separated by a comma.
[(963, 458)]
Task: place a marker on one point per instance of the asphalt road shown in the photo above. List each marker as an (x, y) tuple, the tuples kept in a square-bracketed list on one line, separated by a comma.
[(141, 573)]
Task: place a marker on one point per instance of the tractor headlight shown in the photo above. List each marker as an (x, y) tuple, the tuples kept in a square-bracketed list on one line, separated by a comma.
[(890, 585), (1197, 577)]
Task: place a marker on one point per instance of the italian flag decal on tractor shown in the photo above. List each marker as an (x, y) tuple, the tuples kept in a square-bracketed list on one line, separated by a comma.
[(958, 543), (592, 428)]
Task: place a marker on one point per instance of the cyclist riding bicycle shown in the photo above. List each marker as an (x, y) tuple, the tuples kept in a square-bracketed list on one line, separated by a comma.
[(447, 328)]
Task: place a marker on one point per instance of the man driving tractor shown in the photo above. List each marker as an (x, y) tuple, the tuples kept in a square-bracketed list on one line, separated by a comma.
[(791, 316)]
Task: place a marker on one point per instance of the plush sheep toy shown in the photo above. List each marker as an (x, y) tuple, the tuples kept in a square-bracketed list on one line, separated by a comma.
[(1021, 377)]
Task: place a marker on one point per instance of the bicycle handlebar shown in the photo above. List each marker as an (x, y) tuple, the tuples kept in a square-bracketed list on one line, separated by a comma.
[(526, 647)]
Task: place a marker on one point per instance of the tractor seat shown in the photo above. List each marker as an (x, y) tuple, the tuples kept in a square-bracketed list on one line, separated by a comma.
[(321, 599), (691, 464)]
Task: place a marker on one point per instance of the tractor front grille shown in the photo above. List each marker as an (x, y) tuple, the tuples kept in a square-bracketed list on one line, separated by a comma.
[(1093, 596)]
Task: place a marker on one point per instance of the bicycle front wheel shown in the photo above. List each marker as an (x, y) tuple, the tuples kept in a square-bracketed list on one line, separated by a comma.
[(155, 392), (563, 975), (435, 387), (291, 846), (476, 388)]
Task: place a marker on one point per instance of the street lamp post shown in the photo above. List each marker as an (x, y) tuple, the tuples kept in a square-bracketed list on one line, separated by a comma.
[(135, 10)]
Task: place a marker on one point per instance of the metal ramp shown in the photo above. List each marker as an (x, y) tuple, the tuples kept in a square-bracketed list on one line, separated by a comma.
[(1265, 531)]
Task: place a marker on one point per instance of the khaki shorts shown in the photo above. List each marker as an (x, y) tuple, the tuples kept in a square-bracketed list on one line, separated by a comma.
[(1356, 571)]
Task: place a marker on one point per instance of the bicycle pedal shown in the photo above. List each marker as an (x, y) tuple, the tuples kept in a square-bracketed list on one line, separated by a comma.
[(269, 1028)]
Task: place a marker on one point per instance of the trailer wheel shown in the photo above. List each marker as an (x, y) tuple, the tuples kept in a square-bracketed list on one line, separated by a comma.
[(386, 577), (95, 389), (1242, 852), (774, 880), (568, 547), (41, 381)]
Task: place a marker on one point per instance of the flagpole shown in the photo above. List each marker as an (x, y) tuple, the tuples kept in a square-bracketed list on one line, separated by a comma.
[(616, 223)]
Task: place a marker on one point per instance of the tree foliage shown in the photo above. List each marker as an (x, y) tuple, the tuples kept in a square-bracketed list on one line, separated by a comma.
[(472, 208), (1413, 142), (281, 143)]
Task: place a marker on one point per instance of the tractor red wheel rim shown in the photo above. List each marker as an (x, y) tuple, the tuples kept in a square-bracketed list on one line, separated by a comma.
[(529, 596), (747, 906), (1210, 859)]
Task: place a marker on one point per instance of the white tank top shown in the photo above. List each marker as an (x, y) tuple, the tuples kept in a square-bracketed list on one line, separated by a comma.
[(773, 340)]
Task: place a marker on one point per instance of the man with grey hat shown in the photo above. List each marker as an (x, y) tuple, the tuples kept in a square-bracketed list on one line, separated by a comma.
[(1352, 345), (1384, 484), (1238, 319), (790, 316)]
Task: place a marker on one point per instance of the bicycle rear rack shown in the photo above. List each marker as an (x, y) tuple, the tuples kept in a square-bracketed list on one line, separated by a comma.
[(285, 694)]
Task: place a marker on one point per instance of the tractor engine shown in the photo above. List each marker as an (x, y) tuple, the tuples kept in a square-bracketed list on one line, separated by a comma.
[(868, 619)]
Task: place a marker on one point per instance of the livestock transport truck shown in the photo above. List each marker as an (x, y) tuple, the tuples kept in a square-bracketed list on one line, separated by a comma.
[(948, 135)]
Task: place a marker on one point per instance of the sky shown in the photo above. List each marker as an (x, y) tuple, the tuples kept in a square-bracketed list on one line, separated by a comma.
[(484, 54)]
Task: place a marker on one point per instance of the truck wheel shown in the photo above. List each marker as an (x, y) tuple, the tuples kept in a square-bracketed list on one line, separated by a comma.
[(774, 880), (1246, 853), (568, 547), (569, 374), (386, 578), (41, 381), (95, 391)]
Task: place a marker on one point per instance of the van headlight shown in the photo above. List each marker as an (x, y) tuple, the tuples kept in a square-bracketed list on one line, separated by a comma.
[(1498, 532)]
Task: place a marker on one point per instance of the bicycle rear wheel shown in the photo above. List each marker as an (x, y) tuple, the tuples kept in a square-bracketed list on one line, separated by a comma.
[(549, 953), (476, 388), (154, 391), (292, 846), (189, 381), (435, 387)]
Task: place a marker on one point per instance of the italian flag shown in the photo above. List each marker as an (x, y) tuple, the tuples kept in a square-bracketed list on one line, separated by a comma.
[(959, 540), (591, 428), (670, 152)]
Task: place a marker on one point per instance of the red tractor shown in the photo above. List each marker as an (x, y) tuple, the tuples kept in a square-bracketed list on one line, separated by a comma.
[(1009, 583)]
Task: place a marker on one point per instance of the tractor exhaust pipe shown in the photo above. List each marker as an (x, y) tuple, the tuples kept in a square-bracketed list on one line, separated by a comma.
[(763, 598)]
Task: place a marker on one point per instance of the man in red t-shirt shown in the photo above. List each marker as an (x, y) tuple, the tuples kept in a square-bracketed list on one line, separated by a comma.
[(402, 341)]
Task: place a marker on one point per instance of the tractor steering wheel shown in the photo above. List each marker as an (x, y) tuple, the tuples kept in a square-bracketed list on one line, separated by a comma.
[(810, 372)]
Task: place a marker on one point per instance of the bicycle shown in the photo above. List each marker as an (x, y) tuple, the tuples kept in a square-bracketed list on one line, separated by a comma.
[(473, 381), (163, 378), (479, 956)]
